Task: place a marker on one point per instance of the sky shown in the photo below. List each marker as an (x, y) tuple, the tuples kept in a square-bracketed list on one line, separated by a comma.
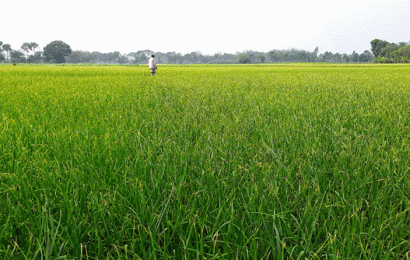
[(211, 26)]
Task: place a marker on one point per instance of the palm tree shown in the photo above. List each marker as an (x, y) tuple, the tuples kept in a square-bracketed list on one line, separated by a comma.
[(33, 46), (25, 47), (7, 48)]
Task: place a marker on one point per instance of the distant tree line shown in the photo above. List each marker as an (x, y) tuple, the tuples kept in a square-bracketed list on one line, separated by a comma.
[(386, 52), (246, 57), (142, 56), (294, 55), (54, 52), (60, 52), (18, 55)]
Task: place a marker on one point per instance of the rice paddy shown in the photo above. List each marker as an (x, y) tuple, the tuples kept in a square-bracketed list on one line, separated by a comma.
[(282, 161)]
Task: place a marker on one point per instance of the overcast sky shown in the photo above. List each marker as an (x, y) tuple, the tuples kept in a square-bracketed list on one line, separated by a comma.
[(208, 26)]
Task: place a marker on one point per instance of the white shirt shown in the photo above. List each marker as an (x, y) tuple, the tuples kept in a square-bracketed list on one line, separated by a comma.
[(151, 63)]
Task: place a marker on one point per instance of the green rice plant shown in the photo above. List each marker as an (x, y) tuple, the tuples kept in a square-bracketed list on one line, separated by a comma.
[(283, 161)]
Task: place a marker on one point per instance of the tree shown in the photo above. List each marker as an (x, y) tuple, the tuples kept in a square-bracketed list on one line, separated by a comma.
[(172, 57), (113, 57), (37, 56), (33, 46), (244, 58), (56, 51), (274, 56), (1, 55), (327, 56), (386, 51), (316, 51), (393, 53), (337, 57), (354, 57), (95, 57), (366, 56), (377, 46), (345, 57), (17, 56), (402, 54), (79, 57), (140, 56), (7, 48), (195, 56), (25, 47), (363, 58), (122, 59)]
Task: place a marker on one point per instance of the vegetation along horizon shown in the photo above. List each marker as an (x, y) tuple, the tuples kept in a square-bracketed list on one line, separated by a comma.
[(272, 161)]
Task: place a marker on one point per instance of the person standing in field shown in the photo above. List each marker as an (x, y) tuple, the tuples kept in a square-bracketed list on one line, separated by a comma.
[(152, 65)]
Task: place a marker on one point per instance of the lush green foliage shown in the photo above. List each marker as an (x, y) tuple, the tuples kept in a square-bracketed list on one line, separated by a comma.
[(276, 161), (60, 52), (386, 52), (395, 54), (377, 46), (55, 51)]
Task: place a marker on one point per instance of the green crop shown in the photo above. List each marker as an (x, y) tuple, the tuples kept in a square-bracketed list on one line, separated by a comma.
[(287, 161)]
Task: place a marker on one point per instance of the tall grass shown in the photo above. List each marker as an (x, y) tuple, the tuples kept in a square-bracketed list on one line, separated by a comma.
[(218, 162)]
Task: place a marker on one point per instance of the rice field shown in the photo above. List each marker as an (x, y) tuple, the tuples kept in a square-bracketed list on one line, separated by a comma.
[(283, 161)]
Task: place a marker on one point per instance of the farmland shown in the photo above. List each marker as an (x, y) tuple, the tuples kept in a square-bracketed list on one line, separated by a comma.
[(284, 161)]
